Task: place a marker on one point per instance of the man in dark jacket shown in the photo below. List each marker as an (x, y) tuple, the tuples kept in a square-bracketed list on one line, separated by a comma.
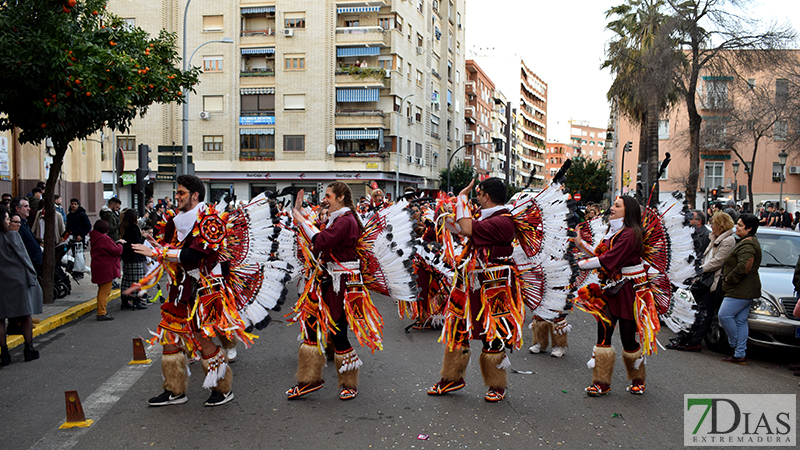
[(110, 213), (20, 206), (78, 223), (701, 233)]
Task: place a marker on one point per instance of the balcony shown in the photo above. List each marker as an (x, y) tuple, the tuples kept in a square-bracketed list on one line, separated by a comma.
[(370, 36), (257, 155), (350, 75), (361, 118), (257, 73)]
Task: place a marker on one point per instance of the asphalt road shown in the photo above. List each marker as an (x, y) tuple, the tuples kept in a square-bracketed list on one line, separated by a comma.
[(546, 408)]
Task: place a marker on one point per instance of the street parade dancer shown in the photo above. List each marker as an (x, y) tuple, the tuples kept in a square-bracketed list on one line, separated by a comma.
[(639, 261), (342, 261), (217, 287), (484, 303)]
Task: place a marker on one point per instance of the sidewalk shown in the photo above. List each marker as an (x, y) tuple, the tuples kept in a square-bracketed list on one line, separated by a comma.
[(82, 300)]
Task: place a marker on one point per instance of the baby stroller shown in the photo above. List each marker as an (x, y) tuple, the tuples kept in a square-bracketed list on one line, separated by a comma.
[(62, 287)]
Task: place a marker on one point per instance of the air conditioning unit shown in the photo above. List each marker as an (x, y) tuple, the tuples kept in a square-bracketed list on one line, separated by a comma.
[(408, 157), (388, 74), (205, 115), (420, 162), (794, 170), (419, 50), (411, 120), (288, 32)]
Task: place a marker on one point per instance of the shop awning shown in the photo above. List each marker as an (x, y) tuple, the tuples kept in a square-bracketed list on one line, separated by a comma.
[(356, 135), (258, 51), (257, 91), (357, 95), (244, 131), (358, 9), (258, 10), (357, 51)]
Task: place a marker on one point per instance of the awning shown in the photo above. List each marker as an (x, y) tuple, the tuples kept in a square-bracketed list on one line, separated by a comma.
[(257, 91), (357, 95), (258, 51), (357, 51), (356, 135), (246, 131), (358, 10), (258, 10)]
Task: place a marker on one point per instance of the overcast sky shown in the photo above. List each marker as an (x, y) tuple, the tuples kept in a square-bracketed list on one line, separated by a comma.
[(563, 42)]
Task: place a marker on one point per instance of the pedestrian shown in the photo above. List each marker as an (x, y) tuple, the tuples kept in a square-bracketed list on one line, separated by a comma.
[(156, 215), (20, 206), (38, 228), (786, 218), (6, 200), (700, 235), (705, 289), (740, 285), (33, 201), (105, 265), (59, 207), (110, 213), (22, 295), (16, 221), (621, 261), (78, 223), (763, 216), (133, 264), (774, 217)]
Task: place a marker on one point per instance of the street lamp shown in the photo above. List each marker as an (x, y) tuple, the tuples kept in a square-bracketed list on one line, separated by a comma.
[(397, 168), (782, 161), (450, 159), (185, 118), (735, 165)]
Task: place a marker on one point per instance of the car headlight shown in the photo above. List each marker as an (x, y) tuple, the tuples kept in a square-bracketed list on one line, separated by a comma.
[(764, 307)]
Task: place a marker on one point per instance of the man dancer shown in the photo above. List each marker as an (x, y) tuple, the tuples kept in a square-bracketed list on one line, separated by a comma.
[(179, 331), (484, 304)]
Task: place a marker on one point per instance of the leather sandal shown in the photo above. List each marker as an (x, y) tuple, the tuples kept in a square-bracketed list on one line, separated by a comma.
[(348, 393), (636, 389), (495, 395), (298, 391), (441, 387), (598, 390)]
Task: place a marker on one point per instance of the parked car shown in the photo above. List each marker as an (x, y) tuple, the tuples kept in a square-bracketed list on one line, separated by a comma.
[(771, 321)]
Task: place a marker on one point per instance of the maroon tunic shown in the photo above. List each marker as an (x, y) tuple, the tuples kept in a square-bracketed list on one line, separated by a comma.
[(492, 239), (337, 243), (204, 259), (621, 253)]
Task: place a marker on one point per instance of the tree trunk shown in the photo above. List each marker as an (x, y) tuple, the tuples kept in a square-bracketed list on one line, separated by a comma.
[(652, 153), (695, 121), (48, 256), (642, 157)]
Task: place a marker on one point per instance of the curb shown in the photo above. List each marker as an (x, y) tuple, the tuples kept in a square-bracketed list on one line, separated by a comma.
[(60, 319)]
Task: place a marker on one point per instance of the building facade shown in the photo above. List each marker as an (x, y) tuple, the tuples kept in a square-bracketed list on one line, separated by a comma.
[(587, 141), (478, 116), (310, 92)]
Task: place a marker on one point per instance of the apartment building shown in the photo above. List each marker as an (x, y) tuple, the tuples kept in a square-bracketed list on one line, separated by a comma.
[(721, 99), (556, 154), (588, 141), (310, 92), (503, 163), (478, 116)]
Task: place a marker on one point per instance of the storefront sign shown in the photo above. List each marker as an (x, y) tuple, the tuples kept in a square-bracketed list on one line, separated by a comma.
[(5, 170), (128, 178), (257, 120)]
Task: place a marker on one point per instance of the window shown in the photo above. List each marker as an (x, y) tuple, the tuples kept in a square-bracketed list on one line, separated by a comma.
[(399, 65), (398, 23), (419, 78), (386, 23), (212, 64), (258, 104), (714, 174), (434, 125), (449, 70), (294, 20), (781, 130), (408, 148), (420, 6), (386, 63), (295, 61), (212, 143), (294, 101), (213, 103), (212, 23), (351, 23), (777, 172), (410, 31), (458, 77), (397, 104), (419, 40), (129, 22), (450, 98), (126, 143), (409, 71), (418, 115), (713, 134), (294, 143), (418, 150), (259, 147), (716, 94), (781, 90), (663, 130)]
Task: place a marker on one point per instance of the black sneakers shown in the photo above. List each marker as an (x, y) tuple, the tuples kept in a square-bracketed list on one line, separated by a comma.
[(167, 398), (105, 317), (218, 398)]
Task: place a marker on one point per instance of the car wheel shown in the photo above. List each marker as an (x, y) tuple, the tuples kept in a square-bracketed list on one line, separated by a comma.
[(717, 339)]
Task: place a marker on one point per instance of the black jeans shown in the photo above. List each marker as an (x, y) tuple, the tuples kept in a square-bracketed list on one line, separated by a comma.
[(706, 307)]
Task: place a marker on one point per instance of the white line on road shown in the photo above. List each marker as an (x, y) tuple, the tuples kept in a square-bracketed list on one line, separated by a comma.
[(95, 407)]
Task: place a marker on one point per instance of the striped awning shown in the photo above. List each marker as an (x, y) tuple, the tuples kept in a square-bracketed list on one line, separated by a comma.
[(356, 135), (357, 95), (358, 51), (358, 9), (245, 131), (257, 91), (258, 10), (258, 51)]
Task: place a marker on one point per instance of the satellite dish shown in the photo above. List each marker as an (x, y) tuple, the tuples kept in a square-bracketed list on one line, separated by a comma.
[(331, 149)]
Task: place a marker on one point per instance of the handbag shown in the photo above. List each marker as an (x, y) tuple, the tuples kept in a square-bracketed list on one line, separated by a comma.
[(707, 279)]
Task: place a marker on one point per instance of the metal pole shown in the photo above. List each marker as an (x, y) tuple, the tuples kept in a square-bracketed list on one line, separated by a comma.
[(622, 172), (114, 161), (450, 159), (185, 118), (397, 168), (780, 199)]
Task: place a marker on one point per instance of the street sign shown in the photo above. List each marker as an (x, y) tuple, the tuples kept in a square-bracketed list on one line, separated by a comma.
[(577, 197), (165, 177)]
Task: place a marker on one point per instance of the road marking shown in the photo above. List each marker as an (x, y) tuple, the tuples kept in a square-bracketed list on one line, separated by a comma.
[(95, 407)]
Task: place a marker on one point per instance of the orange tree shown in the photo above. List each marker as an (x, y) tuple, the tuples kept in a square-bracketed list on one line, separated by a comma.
[(588, 177), (69, 69)]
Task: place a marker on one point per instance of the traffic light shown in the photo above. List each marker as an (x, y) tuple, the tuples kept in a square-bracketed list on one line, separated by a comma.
[(499, 145), (628, 146), (642, 181), (714, 193), (143, 171)]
